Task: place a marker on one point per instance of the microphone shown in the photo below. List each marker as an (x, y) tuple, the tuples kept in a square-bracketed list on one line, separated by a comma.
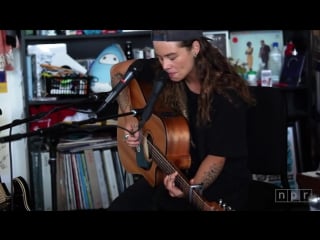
[(96, 97), (131, 73), (160, 81)]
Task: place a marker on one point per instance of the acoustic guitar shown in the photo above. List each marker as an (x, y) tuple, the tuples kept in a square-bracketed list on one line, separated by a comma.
[(21, 195), (164, 149), (20, 199)]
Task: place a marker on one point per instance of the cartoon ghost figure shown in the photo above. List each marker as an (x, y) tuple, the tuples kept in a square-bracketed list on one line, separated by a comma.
[(100, 68)]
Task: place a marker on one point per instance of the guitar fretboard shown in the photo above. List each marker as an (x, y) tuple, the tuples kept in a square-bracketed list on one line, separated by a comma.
[(181, 181)]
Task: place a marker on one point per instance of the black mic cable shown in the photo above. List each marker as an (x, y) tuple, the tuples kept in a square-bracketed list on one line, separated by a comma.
[(158, 85)]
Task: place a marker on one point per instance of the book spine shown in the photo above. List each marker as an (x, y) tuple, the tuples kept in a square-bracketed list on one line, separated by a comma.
[(76, 181), (118, 171), (86, 179), (71, 198), (37, 181), (93, 179), (101, 179), (46, 181), (110, 174)]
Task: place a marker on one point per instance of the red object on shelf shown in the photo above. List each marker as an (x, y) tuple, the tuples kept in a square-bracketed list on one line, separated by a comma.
[(289, 49), (49, 120)]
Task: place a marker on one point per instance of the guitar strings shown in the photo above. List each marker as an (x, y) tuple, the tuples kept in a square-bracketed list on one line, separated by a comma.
[(181, 180)]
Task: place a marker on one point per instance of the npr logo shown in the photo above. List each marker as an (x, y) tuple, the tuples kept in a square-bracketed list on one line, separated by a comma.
[(292, 195)]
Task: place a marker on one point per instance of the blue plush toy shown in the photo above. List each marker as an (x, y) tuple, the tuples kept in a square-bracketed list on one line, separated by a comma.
[(100, 68)]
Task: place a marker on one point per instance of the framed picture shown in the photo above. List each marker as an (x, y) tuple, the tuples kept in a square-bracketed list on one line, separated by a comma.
[(219, 39), (252, 48)]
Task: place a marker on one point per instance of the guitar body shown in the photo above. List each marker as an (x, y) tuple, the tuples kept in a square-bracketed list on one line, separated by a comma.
[(169, 132), (21, 195), (20, 200), (164, 148)]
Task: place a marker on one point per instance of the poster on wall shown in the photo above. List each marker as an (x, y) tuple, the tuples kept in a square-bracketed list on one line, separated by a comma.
[(251, 48)]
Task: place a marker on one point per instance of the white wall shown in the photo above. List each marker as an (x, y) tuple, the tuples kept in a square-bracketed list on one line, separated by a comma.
[(12, 105)]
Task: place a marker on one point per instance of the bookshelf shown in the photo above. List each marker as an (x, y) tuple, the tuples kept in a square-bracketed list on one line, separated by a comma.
[(78, 47), (89, 179)]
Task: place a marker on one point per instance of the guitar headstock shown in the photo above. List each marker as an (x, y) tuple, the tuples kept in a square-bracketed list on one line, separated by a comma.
[(224, 206), (220, 206)]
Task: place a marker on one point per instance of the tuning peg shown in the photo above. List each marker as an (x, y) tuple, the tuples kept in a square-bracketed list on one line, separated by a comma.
[(225, 206)]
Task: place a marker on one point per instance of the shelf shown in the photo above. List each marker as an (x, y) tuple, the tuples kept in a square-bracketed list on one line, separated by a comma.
[(90, 46), (57, 101), (32, 38), (83, 47), (91, 98)]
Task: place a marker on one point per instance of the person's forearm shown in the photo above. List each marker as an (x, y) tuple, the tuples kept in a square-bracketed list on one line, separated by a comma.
[(123, 98), (117, 72), (209, 170)]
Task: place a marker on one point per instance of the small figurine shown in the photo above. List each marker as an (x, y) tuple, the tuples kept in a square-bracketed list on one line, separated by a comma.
[(289, 48), (100, 68)]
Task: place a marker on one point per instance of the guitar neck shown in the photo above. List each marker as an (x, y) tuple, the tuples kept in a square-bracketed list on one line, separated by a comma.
[(181, 181)]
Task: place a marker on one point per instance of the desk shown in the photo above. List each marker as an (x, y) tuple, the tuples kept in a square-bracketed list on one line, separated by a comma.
[(309, 180)]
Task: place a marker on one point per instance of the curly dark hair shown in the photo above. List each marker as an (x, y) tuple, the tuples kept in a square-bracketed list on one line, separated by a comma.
[(216, 75)]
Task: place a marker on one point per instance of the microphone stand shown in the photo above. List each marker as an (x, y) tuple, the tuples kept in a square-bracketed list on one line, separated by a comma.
[(54, 133), (134, 112), (52, 141), (43, 114)]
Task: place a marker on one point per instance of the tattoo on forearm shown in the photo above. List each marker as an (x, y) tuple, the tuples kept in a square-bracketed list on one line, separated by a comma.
[(123, 99), (212, 174)]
